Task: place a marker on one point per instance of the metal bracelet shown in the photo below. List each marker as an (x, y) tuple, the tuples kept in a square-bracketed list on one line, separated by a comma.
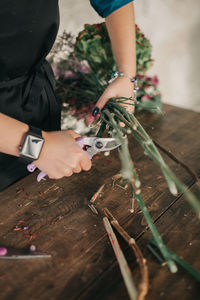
[(122, 74)]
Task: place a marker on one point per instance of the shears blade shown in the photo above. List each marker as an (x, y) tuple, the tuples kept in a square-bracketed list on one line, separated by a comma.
[(96, 145)]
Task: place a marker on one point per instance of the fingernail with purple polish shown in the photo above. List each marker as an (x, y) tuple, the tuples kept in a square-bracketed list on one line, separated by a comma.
[(95, 111)]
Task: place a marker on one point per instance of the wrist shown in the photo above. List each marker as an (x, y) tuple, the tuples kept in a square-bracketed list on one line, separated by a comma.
[(31, 145), (125, 81), (19, 134), (119, 74)]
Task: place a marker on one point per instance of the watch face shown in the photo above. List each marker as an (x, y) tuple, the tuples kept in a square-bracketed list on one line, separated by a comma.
[(32, 147)]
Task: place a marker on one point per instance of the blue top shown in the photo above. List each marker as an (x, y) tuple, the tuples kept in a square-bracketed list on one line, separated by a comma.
[(106, 7)]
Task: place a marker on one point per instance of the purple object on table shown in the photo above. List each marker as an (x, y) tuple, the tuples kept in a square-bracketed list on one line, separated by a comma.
[(3, 251), (13, 253)]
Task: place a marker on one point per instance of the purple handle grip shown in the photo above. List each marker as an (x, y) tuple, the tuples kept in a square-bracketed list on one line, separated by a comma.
[(41, 175), (31, 167)]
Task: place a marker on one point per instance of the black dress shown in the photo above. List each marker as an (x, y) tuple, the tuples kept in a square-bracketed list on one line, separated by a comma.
[(27, 32)]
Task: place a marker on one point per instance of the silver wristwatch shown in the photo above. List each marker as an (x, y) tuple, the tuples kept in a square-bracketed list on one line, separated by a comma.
[(31, 146)]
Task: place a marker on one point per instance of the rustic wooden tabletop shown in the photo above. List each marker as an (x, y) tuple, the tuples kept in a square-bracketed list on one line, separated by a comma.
[(59, 222)]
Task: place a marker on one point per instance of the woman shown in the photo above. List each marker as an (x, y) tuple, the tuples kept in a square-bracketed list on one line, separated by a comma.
[(29, 111)]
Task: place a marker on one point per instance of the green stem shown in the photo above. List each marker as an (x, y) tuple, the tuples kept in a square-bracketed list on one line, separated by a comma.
[(163, 249), (159, 258), (127, 173), (180, 261), (150, 149), (114, 111), (101, 129), (128, 170)]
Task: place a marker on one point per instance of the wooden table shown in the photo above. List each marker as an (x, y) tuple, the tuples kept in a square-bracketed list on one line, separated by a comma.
[(83, 265)]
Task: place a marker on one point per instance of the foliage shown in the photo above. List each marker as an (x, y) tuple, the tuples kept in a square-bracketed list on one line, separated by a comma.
[(83, 67)]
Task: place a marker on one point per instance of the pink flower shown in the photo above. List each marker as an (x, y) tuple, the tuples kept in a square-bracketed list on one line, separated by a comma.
[(89, 119), (73, 111), (69, 74), (84, 67), (154, 80), (140, 76), (145, 98), (148, 78), (80, 116)]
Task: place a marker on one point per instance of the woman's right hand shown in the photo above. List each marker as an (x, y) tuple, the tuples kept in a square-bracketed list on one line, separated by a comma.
[(61, 155)]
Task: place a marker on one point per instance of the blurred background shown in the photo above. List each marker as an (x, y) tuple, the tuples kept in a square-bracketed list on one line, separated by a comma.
[(173, 27)]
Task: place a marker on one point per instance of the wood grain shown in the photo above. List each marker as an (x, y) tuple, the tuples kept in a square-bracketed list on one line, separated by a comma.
[(60, 223)]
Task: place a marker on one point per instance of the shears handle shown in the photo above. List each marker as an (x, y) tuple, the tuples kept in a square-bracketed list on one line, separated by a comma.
[(31, 167)]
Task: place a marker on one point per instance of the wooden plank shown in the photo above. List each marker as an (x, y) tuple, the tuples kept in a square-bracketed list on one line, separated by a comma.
[(63, 225), (178, 131), (180, 230)]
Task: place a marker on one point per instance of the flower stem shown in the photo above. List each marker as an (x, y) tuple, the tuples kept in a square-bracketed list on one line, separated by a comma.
[(163, 249), (150, 149)]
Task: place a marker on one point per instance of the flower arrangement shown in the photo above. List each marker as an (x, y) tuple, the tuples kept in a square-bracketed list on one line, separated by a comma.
[(83, 67)]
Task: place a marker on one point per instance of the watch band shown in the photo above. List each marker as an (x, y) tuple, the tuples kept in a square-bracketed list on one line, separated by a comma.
[(31, 146), (35, 131)]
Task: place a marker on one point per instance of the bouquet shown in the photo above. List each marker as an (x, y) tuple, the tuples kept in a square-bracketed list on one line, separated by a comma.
[(84, 65)]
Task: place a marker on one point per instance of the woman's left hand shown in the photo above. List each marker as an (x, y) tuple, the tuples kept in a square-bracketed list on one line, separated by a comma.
[(120, 87)]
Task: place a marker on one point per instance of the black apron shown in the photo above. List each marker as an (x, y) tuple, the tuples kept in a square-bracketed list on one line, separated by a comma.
[(27, 86)]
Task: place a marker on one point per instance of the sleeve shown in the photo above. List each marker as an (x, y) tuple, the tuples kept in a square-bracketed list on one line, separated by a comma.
[(106, 7)]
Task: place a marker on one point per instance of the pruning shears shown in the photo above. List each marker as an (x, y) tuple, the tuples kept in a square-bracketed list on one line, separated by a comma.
[(12, 253), (91, 145)]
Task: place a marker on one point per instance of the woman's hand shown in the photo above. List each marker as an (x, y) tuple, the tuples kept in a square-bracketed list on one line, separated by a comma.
[(61, 156), (120, 87)]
